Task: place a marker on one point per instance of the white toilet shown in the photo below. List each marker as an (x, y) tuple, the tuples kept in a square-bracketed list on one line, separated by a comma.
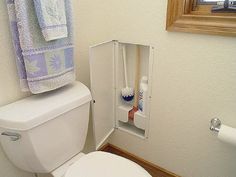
[(46, 133)]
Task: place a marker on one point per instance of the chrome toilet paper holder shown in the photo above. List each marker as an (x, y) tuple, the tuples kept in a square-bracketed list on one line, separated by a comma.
[(215, 125)]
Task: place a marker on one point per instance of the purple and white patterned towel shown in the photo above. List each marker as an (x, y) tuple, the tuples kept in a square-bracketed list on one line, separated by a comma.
[(42, 66)]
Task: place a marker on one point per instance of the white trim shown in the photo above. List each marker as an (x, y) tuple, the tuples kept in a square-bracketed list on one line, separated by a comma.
[(96, 45), (104, 139)]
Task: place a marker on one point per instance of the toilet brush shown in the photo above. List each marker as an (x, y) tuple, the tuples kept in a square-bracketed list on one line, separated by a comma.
[(136, 88), (127, 92)]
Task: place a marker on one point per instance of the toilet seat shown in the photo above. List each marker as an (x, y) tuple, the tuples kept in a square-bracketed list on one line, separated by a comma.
[(102, 164)]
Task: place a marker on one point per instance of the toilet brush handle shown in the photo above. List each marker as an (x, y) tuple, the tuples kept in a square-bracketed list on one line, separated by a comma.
[(125, 67)]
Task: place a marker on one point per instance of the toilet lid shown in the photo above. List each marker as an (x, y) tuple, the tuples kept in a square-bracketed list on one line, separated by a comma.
[(102, 164)]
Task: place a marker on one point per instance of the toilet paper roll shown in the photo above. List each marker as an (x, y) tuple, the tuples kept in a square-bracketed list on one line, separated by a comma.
[(227, 134)]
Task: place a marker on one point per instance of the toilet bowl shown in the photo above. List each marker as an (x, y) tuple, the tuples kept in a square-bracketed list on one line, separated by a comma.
[(46, 134), (99, 164), (103, 164)]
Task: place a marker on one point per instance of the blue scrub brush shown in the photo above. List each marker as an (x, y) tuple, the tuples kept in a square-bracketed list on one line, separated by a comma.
[(127, 92)]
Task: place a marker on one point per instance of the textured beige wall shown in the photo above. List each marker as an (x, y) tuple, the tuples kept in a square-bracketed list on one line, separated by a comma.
[(194, 80)]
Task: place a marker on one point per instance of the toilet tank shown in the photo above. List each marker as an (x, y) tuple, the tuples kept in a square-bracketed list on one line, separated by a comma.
[(41, 132)]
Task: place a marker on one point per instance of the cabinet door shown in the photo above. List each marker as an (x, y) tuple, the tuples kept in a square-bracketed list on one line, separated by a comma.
[(102, 76)]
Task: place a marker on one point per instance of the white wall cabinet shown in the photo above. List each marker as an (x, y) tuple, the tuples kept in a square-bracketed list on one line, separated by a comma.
[(109, 110)]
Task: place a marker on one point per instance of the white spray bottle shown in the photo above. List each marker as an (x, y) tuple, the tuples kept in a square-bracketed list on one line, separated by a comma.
[(143, 95)]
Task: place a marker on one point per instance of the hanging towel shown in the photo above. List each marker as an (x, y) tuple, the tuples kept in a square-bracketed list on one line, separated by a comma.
[(42, 66), (52, 18), (16, 42)]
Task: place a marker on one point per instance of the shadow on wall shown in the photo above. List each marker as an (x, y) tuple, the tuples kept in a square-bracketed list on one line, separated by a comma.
[(89, 144)]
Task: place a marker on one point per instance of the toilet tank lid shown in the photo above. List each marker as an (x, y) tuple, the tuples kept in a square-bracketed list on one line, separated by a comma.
[(35, 110)]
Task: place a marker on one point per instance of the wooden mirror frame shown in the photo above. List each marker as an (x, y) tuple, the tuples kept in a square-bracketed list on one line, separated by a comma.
[(181, 17)]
